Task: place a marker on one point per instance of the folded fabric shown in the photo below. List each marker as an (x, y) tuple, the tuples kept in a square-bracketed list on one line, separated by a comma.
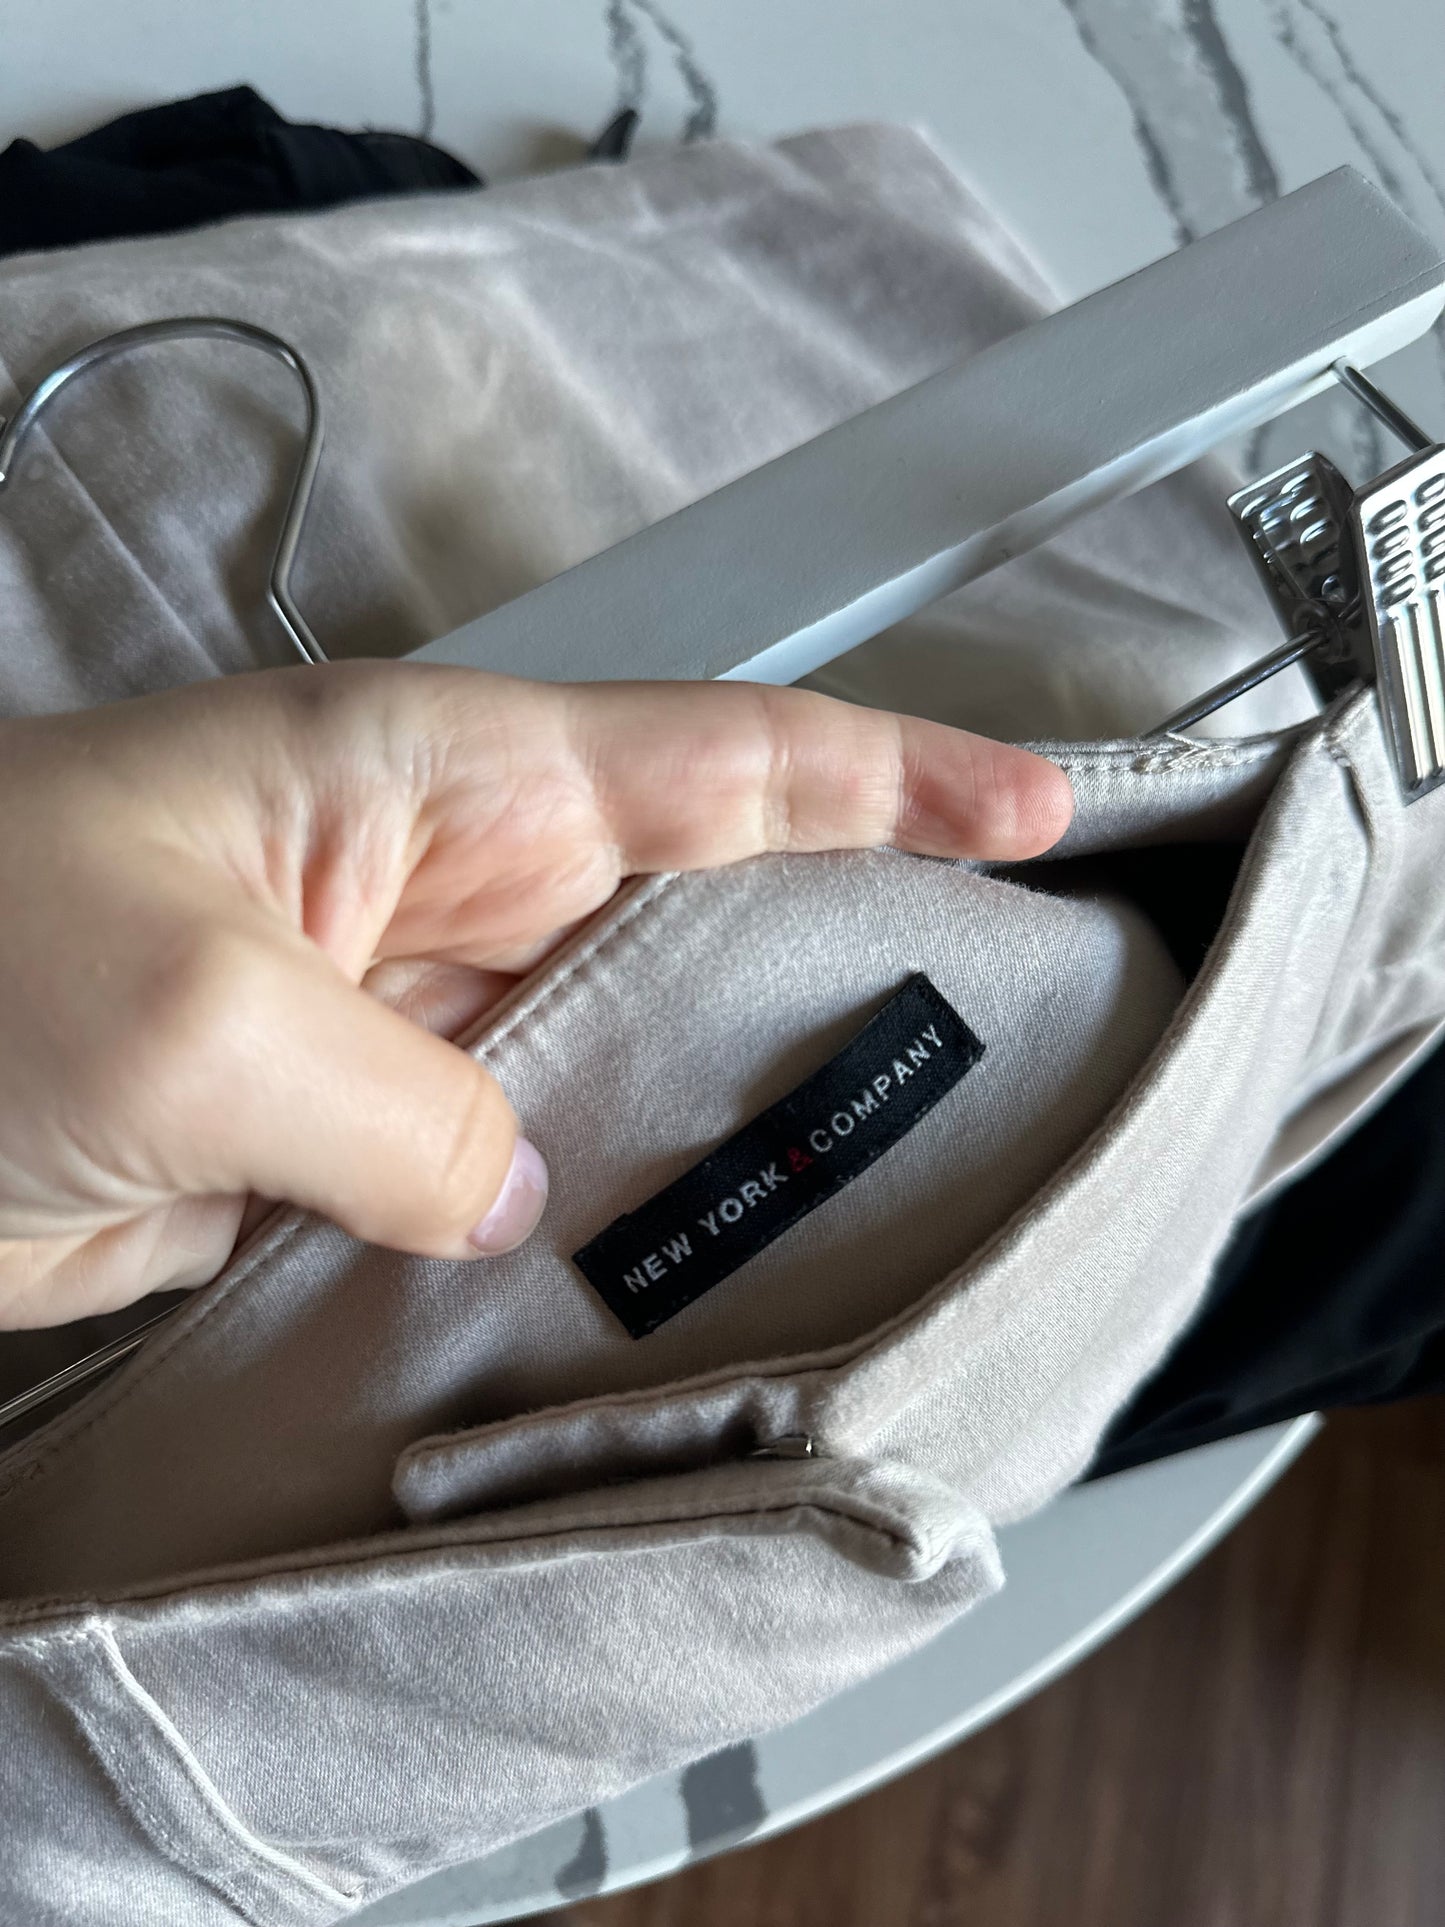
[(354, 1569)]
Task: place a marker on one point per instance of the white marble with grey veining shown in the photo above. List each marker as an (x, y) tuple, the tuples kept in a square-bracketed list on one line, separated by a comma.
[(1104, 132), (1104, 129)]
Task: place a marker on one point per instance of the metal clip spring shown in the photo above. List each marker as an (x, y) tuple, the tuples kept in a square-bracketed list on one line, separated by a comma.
[(1357, 577)]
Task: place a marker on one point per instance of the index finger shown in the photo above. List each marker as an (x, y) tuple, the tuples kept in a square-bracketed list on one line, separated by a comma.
[(689, 775)]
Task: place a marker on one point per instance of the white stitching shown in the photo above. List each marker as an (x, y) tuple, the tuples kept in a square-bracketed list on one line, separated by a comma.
[(103, 1639)]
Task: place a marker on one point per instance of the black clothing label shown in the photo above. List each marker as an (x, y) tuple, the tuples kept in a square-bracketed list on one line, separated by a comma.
[(651, 1263)]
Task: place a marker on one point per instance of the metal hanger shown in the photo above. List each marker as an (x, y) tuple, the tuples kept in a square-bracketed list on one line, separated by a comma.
[(202, 328), (1357, 577), (297, 629)]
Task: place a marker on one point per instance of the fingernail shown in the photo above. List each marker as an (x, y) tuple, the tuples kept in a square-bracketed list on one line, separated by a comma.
[(519, 1204)]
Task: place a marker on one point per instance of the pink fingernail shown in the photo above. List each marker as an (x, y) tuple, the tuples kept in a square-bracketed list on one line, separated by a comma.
[(520, 1202)]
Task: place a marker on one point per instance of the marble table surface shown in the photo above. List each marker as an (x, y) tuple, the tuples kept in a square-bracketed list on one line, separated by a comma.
[(1105, 132)]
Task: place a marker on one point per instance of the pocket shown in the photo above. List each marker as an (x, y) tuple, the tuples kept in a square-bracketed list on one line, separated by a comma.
[(131, 1810), (303, 1741)]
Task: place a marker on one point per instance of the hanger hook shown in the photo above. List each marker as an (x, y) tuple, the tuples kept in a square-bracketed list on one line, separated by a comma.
[(198, 328)]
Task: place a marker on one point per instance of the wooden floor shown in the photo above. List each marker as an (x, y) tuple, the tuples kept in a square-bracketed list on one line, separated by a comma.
[(1264, 1748)]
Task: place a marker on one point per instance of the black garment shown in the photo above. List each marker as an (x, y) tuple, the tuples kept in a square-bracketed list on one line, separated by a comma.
[(1332, 1295), (201, 160)]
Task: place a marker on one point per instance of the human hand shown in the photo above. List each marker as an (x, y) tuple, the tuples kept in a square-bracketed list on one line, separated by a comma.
[(200, 888)]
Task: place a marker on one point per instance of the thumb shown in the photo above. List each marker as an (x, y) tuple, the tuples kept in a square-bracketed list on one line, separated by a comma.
[(317, 1093)]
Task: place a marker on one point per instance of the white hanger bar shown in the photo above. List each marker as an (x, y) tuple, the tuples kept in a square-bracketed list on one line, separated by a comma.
[(789, 566)]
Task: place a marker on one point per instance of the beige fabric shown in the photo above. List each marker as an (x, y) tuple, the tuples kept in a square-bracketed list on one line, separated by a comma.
[(364, 1565), (700, 1002), (516, 379)]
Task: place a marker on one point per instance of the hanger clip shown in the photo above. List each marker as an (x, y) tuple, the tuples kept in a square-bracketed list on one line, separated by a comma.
[(1399, 529), (1357, 578)]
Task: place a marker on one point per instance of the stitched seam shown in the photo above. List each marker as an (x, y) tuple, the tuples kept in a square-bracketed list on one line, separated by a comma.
[(575, 963), (709, 1515), (1128, 753), (647, 1399), (103, 1641), (1353, 721), (132, 1793), (394, 1568), (38, 1645), (139, 1803)]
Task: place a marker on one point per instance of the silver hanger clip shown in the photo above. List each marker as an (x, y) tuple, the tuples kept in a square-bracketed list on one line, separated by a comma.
[(1357, 578)]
